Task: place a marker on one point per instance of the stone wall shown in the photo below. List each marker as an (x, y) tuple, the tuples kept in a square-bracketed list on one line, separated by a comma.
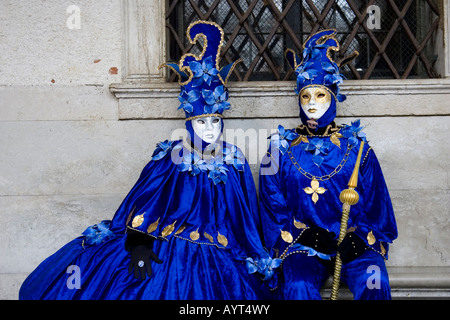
[(81, 111)]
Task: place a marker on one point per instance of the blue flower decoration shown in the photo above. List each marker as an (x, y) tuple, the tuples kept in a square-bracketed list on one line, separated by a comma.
[(233, 156), (305, 72), (218, 172), (203, 72), (317, 147), (216, 101), (265, 266), (312, 51), (340, 97), (194, 164), (162, 148), (281, 139), (186, 98), (353, 133), (334, 77), (98, 233)]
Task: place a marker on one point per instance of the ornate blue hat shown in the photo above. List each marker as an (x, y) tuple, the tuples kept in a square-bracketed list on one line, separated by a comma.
[(203, 92), (317, 68)]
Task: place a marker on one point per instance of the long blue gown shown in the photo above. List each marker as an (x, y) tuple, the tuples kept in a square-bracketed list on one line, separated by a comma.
[(203, 217)]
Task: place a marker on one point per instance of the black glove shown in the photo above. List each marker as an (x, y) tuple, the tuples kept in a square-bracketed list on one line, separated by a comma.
[(319, 239), (351, 247), (140, 247)]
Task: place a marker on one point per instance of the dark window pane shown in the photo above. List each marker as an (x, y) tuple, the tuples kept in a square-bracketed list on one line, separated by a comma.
[(397, 42)]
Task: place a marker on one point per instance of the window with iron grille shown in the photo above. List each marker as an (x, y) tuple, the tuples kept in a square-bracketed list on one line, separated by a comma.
[(395, 38)]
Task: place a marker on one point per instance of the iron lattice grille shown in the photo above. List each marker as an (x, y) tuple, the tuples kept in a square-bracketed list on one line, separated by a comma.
[(259, 32)]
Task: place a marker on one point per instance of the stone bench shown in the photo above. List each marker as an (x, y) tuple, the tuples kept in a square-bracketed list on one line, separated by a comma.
[(407, 283)]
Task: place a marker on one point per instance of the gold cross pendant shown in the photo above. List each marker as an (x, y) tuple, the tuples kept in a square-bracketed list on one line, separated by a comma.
[(315, 190)]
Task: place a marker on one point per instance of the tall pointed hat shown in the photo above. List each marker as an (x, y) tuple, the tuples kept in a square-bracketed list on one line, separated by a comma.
[(317, 68), (203, 92)]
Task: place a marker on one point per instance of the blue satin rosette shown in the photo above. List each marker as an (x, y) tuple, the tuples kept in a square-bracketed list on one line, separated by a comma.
[(266, 267), (98, 233)]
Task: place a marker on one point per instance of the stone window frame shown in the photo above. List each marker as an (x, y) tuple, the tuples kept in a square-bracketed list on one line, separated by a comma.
[(145, 93)]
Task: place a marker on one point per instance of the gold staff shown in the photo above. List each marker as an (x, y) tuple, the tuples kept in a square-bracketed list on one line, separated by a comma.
[(348, 197)]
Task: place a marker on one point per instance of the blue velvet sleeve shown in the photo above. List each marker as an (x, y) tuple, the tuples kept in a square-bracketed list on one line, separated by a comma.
[(375, 224)]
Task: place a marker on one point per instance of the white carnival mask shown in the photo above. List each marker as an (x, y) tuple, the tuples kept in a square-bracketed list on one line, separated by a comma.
[(315, 101), (207, 128)]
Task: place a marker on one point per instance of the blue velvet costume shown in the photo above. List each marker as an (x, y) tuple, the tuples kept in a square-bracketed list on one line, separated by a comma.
[(199, 206), (301, 178)]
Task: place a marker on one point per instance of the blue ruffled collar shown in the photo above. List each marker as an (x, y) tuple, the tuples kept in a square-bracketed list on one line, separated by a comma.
[(97, 233)]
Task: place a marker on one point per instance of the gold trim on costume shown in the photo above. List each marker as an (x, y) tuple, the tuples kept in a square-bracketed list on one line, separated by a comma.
[(147, 234), (298, 140), (208, 236), (325, 38), (334, 138), (307, 39), (194, 235), (365, 157), (295, 58), (130, 215), (322, 178), (229, 72), (168, 230), (371, 238), (199, 57), (314, 190), (153, 226), (222, 246), (348, 59), (318, 86), (299, 225), (286, 236), (284, 255), (330, 127), (321, 40), (383, 249), (222, 239), (181, 229), (205, 116), (137, 221)]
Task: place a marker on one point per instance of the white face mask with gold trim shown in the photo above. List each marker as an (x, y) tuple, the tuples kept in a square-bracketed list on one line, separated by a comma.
[(315, 101), (207, 128)]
